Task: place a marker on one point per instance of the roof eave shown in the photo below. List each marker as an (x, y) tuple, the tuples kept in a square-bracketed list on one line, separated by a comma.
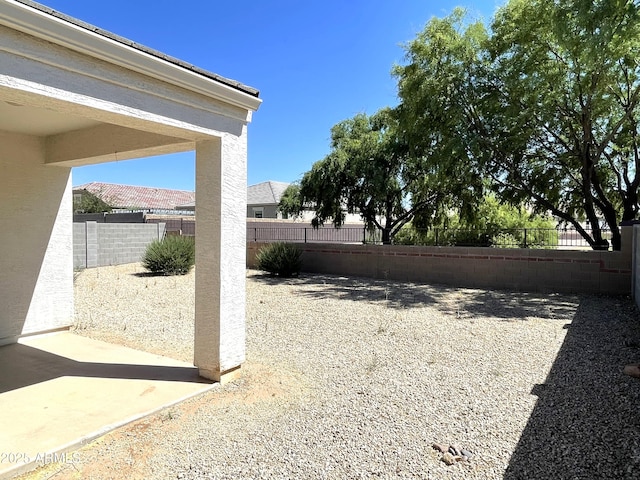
[(32, 19)]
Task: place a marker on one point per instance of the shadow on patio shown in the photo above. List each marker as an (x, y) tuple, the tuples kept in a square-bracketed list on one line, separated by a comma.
[(586, 422), (60, 391)]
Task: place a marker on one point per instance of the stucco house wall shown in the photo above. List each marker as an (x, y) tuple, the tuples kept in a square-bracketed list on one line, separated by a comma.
[(263, 211), (73, 95), (36, 260)]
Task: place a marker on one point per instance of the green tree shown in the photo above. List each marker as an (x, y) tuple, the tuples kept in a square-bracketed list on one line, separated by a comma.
[(290, 204), (437, 113), (546, 107), (494, 222), (87, 202), (365, 173), (565, 89)]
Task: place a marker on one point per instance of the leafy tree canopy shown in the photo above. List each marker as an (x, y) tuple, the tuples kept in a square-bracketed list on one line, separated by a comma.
[(542, 109), (290, 201), (367, 172), (546, 107), (494, 221), (87, 202)]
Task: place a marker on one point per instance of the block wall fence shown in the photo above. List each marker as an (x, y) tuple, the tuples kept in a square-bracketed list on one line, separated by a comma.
[(635, 260), (534, 270), (617, 273), (101, 244)]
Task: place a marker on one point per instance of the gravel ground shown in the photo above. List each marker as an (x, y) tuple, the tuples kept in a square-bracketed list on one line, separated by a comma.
[(357, 378)]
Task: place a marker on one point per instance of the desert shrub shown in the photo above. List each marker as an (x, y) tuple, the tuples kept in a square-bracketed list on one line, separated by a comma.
[(526, 238), (283, 259), (471, 238), (506, 240), (409, 235), (542, 238), (173, 255)]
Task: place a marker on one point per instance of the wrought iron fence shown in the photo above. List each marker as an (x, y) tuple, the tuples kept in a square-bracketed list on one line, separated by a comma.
[(504, 238), (567, 238), (306, 234)]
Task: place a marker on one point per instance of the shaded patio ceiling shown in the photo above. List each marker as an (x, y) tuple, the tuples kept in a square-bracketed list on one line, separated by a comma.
[(28, 120)]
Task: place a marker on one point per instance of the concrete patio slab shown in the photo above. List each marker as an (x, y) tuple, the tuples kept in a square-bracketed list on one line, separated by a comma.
[(60, 391)]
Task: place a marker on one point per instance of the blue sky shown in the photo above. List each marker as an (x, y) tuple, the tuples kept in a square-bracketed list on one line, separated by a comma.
[(315, 62)]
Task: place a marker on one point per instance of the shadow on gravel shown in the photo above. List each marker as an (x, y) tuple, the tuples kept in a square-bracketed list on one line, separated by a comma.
[(396, 295), (146, 274), (586, 423), (151, 274), (461, 302)]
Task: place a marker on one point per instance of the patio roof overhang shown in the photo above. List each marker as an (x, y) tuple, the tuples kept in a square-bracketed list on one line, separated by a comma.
[(79, 83), (72, 94)]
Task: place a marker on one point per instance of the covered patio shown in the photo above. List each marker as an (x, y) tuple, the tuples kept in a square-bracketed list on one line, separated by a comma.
[(60, 391), (72, 95)]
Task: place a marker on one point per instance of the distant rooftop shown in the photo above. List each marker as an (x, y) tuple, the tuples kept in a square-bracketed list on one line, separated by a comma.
[(266, 193), (149, 51), (153, 198), (138, 198)]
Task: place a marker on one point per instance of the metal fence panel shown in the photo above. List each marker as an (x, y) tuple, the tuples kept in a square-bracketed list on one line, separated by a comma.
[(567, 238)]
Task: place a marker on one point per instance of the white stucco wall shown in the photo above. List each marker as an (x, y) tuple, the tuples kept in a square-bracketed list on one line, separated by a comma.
[(221, 187), (81, 98), (36, 262)]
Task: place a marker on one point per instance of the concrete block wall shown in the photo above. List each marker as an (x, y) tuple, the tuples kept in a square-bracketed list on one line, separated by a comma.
[(124, 217), (79, 245), (635, 281), (512, 269), (100, 244), (175, 224)]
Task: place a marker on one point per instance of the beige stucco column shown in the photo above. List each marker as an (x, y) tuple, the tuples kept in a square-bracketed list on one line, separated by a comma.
[(221, 185), (36, 264)]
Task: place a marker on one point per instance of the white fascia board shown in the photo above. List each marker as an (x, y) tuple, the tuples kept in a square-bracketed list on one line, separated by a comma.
[(39, 24)]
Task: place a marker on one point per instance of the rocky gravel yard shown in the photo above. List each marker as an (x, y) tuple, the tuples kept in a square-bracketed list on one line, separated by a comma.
[(358, 378)]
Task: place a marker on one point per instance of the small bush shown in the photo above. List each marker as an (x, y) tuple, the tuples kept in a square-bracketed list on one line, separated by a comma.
[(173, 255), (283, 259), (505, 240), (409, 235)]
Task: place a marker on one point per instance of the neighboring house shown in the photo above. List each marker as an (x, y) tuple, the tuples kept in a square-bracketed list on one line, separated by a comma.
[(71, 95), (132, 198), (263, 199)]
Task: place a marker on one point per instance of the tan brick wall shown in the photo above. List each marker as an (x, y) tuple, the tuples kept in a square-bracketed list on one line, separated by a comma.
[(517, 269)]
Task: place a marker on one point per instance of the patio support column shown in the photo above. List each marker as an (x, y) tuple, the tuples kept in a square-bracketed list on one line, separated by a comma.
[(221, 191)]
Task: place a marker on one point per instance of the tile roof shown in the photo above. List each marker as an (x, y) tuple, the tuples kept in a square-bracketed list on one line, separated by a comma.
[(266, 193), (143, 198)]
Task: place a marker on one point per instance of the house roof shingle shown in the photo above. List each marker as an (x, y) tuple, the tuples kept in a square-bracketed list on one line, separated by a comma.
[(143, 198), (266, 193), (153, 198)]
